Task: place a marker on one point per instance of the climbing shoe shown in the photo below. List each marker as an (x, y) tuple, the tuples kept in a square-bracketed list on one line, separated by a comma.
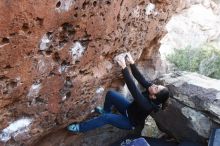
[(73, 128), (100, 110)]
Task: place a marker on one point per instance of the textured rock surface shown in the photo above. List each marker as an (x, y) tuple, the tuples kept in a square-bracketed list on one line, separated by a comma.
[(99, 137), (56, 58), (194, 108), (150, 129), (196, 23)]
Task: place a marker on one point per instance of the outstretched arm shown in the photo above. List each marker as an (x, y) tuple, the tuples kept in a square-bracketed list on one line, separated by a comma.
[(142, 101), (136, 73), (139, 77)]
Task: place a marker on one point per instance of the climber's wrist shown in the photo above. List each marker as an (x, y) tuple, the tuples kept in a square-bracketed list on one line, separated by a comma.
[(123, 66)]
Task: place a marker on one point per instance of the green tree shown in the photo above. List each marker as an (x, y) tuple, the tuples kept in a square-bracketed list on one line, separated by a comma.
[(204, 60)]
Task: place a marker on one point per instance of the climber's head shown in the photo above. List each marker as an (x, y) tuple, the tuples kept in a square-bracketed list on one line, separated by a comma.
[(159, 94), (155, 89)]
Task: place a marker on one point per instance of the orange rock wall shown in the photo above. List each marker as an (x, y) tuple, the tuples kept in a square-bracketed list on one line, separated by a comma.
[(56, 57)]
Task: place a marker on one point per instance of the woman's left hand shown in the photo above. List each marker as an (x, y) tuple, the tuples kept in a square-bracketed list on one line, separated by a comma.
[(121, 61)]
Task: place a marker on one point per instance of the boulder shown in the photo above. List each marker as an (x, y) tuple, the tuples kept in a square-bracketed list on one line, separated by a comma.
[(194, 108)]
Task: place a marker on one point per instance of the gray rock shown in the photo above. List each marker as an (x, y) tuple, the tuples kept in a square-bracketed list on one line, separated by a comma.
[(194, 107)]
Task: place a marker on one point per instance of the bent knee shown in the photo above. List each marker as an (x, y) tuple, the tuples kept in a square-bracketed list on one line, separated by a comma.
[(106, 118), (110, 93)]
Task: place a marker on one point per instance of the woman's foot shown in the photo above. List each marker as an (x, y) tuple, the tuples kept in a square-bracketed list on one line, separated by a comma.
[(73, 128), (100, 110)]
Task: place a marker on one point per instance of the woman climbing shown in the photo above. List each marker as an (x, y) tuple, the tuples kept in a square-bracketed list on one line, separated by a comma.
[(131, 114)]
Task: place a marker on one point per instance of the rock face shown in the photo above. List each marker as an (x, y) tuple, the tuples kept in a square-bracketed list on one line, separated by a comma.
[(56, 59), (196, 23), (194, 107)]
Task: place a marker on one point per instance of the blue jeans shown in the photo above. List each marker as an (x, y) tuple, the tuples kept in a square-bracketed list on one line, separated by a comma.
[(121, 121)]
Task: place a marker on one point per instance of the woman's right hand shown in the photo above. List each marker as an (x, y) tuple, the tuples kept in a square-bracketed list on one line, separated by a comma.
[(129, 58)]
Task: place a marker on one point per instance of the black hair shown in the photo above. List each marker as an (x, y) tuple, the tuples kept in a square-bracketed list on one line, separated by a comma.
[(162, 98)]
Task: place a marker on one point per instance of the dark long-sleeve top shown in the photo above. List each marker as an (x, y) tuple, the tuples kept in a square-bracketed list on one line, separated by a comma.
[(142, 106)]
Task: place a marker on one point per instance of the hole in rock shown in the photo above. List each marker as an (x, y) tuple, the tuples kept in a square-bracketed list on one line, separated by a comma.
[(7, 66), (102, 14), (2, 77), (84, 5), (58, 4), (68, 94), (85, 43), (40, 21), (62, 42), (49, 52), (39, 100), (121, 2), (94, 3), (77, 26), (51, 73), (49, 34), (108, 2), (5, 92), (13, 34), (11, 85), (25, 27), (76, 15), (5, 40), (142, 3), (118, 17), (56, 57), (29, 53), (68, 28)]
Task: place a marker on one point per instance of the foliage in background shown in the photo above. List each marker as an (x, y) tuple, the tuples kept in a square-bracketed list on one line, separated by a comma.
[(204, 60)]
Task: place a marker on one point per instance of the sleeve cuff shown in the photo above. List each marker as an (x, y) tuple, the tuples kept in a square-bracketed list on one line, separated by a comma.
[(132, 64), (125, 69)]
